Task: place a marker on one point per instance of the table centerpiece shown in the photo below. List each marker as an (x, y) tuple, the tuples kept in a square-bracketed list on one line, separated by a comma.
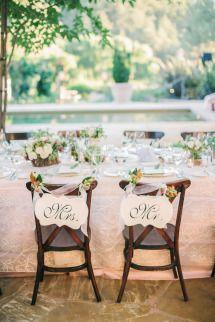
[(43, 149)]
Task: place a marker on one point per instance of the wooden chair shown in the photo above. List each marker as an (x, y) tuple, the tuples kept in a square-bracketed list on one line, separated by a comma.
[(152, 238), (77, 241), (196, 134), (18, 136), (213, 271), (153, 135), (75, 133)]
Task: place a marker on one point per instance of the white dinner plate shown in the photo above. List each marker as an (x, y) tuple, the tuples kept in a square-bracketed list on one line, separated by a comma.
[(111, 174)]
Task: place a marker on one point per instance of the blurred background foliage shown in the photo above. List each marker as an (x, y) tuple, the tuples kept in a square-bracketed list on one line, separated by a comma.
[(165, 42)]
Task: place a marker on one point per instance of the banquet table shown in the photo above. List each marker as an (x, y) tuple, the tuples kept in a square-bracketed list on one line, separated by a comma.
[(18, 247)]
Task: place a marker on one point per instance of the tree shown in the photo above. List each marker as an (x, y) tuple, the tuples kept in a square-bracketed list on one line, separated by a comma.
[(34, 24)]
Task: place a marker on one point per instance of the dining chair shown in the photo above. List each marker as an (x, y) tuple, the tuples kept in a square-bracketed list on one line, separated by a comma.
[(153, 135), (213, 271), (18, 136), (75, 133), (152, 238), (55, 241), (195, 134)]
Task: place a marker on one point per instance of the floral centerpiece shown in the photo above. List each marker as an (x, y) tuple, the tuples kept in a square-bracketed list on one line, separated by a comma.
[(92, 133), (43, 149), (195, 147), (92, 143)]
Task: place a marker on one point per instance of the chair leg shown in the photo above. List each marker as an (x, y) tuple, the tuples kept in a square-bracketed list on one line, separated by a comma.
[(42, 267), (181, 278), (36, 285), (172, 257), (213, 271), (127, 266), (91, 273)]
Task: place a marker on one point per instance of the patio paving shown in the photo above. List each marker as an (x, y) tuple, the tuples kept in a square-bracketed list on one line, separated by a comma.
[(65, 298)]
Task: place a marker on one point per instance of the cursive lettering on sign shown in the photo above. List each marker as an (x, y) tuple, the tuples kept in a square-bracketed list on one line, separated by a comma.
[(60, 211), (144, 210)]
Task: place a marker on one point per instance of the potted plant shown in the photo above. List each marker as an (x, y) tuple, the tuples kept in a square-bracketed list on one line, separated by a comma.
[(121, 90)]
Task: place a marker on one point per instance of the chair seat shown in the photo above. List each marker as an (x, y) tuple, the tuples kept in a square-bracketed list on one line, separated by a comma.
[(153, 238), (63, 239)]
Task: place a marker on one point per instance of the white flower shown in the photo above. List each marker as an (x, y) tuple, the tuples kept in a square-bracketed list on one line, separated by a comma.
[(190, 144), (32, 155), (48, 148), (198, 144), (45, 151), (39, 150)]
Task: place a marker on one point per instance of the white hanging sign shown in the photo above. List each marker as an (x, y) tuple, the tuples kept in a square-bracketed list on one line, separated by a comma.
[(71, 212), (146, 210)]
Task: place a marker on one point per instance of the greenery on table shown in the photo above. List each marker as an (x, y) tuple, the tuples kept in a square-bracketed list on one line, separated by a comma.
[(121, 66), (92, 133), (195, 146)]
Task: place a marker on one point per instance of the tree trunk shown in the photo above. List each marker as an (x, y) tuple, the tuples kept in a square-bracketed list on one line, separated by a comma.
[(3, 65)]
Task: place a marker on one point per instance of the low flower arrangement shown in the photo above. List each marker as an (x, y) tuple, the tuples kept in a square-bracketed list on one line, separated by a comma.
[(92, 133), (43, 150), (194, 146)]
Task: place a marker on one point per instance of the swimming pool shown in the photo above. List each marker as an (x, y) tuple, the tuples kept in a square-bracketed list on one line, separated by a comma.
[(128, 116)]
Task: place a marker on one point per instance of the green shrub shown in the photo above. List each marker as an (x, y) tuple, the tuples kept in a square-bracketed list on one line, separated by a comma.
[(121, 66), (44, 83), (82, 89)]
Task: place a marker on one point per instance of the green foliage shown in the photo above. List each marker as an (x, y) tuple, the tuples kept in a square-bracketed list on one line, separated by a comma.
[(121, 66), (82, 89), (35, 79), (21, 84), (44, 83), (35, 24), (210, 79)]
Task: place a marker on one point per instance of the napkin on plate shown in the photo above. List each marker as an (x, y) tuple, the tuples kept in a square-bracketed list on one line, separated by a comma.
[(146, 154)]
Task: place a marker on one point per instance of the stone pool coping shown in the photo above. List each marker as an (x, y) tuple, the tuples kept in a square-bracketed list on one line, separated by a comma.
[(115, 130)]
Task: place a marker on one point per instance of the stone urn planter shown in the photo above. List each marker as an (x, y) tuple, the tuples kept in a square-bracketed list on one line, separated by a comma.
[(122, 92)]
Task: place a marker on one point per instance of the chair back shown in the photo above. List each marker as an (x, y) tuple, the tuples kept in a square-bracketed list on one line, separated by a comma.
[(196, 134), (153, 135), (18, 136), (73, 133), (151, 190), (49, 211)]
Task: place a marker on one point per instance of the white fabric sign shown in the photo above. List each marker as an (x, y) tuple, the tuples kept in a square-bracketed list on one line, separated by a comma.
[(146, 210), (71, 212)]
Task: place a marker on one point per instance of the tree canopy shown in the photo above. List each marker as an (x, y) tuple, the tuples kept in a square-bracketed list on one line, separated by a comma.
[(34, 24)]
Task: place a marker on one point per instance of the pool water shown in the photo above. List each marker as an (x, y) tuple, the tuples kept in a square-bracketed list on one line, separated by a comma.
[(103, 117)]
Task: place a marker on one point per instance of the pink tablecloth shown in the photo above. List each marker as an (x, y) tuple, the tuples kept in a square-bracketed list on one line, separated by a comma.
[(197, 239)]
